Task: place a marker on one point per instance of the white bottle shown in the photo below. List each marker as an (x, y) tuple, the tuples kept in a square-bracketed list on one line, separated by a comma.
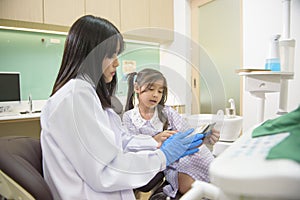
[(273, 58)]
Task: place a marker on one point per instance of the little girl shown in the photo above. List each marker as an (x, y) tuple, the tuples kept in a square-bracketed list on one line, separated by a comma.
[(152, 117)]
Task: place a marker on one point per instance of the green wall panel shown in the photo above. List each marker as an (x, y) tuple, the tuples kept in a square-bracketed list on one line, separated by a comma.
[(145, 56), (38, 61)]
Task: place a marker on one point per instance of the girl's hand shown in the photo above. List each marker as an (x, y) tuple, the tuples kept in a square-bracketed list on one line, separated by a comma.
[(162, 136), (212, 138)]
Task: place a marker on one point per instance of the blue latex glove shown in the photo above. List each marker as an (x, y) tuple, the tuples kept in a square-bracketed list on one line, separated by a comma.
[(179, 145)]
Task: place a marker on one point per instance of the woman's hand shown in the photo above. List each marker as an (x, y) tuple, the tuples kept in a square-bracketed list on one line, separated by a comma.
[(212, 138), (162, 136)]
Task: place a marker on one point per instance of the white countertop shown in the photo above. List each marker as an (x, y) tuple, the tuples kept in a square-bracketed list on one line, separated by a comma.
[(19, 110), (17, 116)]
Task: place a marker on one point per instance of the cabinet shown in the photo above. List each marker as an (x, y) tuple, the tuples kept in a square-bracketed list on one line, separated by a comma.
[(29, 10), (22, 127), (134, 14), (63, 13), (149, 20), (161, 14), (106, 9)]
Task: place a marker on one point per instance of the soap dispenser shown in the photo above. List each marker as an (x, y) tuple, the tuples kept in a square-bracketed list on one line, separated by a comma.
[(273, 58), (230, 112)]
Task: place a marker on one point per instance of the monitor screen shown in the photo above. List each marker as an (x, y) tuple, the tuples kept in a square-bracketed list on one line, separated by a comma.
[(10, 86)]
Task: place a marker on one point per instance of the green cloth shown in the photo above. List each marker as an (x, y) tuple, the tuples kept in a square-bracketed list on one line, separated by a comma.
[(289, 148)]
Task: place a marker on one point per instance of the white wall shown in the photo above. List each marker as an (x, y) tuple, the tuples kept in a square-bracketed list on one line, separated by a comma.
[(175, 57), (261, 19)]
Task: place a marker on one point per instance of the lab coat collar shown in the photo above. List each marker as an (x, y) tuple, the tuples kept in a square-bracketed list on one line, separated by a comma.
[(139, 121), (87, 79)]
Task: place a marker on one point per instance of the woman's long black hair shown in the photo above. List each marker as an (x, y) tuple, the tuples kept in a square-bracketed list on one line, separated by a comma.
[(89, 41)]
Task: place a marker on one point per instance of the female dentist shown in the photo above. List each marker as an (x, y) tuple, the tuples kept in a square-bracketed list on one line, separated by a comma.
[(83, 140)]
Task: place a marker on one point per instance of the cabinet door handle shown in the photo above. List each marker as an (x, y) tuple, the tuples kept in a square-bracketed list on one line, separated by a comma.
[(262, 85)]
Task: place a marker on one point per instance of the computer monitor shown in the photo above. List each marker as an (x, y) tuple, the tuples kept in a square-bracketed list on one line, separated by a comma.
[(10, 86)]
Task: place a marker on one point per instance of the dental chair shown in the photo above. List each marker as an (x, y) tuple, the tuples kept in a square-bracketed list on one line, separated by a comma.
[(155, 186), (152, 186), (21, 172)]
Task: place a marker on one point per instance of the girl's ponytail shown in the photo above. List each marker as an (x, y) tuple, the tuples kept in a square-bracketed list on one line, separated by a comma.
[(130, 92)]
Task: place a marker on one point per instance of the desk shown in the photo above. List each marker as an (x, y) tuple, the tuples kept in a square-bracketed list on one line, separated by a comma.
[(21, 125)]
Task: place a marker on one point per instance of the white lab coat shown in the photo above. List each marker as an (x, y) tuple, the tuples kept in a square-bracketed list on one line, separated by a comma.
[(83, 157)]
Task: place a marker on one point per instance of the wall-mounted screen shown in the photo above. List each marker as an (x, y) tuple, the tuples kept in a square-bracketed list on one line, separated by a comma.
[(10, 86)]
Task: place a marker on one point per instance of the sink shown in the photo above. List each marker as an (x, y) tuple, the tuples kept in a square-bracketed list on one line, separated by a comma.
[(230, 128)]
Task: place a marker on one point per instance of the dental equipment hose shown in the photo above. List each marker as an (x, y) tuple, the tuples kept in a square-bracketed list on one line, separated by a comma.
[(202, 189)]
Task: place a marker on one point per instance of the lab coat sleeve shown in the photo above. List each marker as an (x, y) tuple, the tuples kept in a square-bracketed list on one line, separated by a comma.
[(133, 141), (86, 139), (139, 142)]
